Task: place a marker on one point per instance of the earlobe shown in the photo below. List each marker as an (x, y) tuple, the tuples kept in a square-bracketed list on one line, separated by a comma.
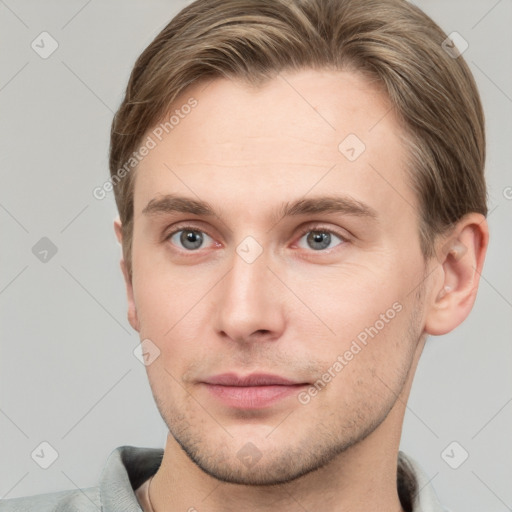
[(132, 309), (461, 257)]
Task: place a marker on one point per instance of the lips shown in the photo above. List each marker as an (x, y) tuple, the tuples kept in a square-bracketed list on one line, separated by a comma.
[(255, 391), (255, 379)]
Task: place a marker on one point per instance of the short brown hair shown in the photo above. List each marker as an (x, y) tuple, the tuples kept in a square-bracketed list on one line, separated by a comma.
[(432, 90)]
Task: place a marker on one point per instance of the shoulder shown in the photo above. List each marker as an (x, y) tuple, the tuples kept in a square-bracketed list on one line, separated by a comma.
[(126, 469), (77, 500)]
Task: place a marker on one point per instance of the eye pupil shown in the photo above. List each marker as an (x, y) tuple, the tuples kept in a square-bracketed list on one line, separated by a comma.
[(319, 237), (191, 237)]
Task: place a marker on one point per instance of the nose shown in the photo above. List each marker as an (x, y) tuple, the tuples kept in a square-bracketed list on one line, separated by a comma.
[(249, 302)]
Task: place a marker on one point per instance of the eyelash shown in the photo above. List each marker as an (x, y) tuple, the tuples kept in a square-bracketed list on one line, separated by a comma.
[(308, 229)]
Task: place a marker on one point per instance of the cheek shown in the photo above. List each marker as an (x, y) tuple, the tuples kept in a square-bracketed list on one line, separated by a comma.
[(171, 310), (352, 297), (365, 370), (373, 321), (165, 295)]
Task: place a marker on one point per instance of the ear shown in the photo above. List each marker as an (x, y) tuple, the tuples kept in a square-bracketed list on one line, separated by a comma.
[(132, 309), (461, 256)]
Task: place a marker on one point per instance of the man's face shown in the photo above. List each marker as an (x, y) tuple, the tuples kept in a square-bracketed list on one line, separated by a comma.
[(336, 286)]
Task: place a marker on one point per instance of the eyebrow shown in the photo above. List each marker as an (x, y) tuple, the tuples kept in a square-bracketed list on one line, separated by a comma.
[(171, 203)]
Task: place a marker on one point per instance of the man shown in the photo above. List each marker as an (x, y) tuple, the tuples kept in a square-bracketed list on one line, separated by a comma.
[(302, 202)]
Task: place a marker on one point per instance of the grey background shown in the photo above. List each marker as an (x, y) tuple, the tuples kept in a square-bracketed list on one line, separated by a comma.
[(68, 373)]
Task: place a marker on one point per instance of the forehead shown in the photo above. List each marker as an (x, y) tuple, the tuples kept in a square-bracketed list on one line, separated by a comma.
[(308, 131), (316, 108)]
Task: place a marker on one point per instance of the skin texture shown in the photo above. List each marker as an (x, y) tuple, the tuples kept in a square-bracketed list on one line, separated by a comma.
[(295, 308)]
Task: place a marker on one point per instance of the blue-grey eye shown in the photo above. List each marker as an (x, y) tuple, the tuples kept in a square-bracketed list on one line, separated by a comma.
[(319, 239), (189, 239)]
